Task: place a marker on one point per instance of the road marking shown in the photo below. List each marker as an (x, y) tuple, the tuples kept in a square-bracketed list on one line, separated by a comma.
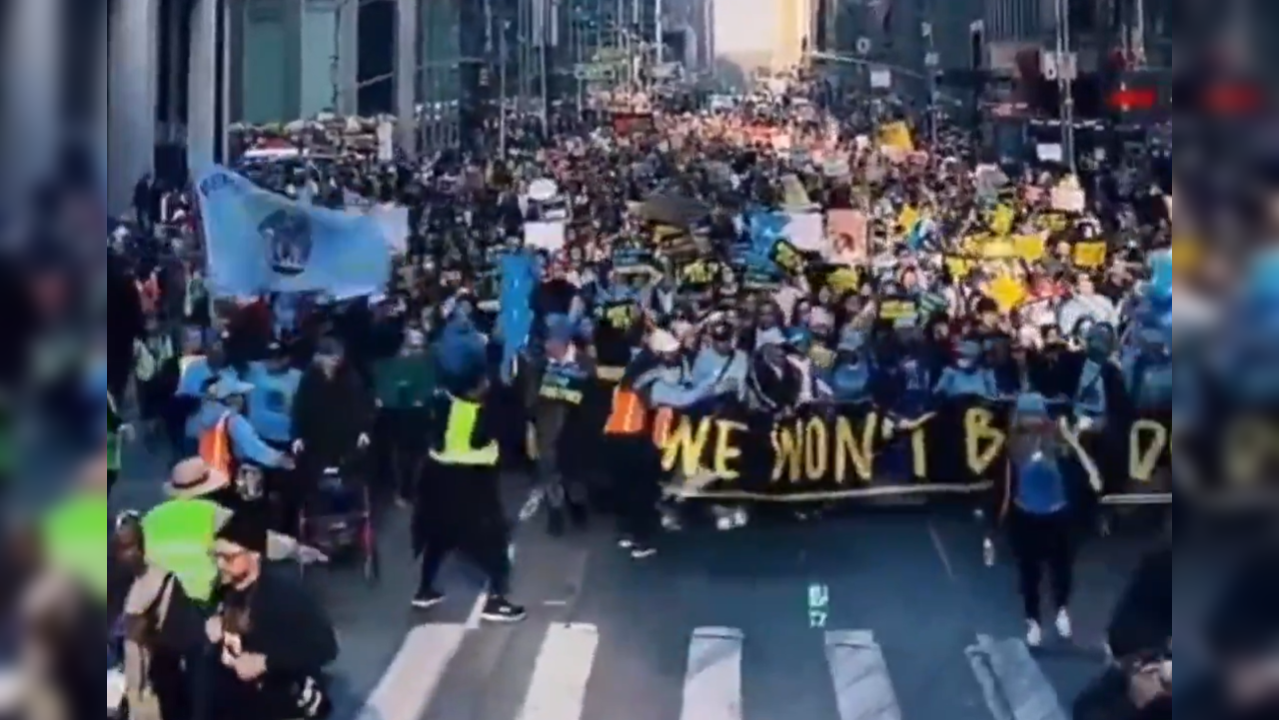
[(406, 690), (713, 680), (1012, 681), (563, 669), (940, 546), (863, 688)]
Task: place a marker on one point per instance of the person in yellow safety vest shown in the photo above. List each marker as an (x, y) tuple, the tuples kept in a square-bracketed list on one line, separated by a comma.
[(226, 435), (180, 532), (458, 506)]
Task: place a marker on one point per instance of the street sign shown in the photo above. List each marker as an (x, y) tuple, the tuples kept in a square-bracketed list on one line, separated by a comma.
[(1059, 66), (932, 60), (863, 46), (881, 79), (926, 29)]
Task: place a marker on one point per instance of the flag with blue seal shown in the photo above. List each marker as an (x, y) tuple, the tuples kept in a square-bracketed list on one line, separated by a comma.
[(259, 242)]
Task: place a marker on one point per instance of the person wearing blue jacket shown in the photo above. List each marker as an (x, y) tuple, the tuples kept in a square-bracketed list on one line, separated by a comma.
[(1039, 508), (196, 378), (230, 396), (270, 403)]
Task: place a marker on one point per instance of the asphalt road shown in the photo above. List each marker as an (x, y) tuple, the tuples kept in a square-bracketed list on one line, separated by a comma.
[(876, 617)]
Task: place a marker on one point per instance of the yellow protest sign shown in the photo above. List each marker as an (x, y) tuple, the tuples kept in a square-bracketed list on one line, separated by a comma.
[(958, 267), (1054, 222), (907, 218), (897, 136), (998, 250), (974, 244), (844, 280), (1030, 248), (1090, 255), (1006, 292), (1001, 220)]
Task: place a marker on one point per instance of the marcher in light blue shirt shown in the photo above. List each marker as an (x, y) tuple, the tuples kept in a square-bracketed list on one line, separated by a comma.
[(275, 384), (230, 396), (193, 384)]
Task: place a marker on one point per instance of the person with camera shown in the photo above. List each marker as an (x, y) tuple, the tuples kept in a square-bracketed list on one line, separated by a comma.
[(272, 639)]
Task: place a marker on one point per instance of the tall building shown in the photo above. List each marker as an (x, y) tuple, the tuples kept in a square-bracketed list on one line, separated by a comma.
[(794, 27)]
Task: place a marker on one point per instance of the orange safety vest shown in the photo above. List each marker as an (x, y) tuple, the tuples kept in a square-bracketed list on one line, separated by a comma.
[(629, 415), (215, 446)]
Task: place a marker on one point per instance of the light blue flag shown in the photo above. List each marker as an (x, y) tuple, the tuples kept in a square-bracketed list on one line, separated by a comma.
[(515, 319), (259, 242), (766, 230)]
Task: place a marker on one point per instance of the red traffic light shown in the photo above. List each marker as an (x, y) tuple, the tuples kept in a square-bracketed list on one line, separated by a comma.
[(1130, 98)]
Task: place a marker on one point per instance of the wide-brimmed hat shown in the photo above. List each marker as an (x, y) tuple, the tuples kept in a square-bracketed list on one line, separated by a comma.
[(193, 478)]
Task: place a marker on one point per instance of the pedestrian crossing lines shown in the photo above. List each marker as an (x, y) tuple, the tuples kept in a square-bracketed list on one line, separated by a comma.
[(578, 672)]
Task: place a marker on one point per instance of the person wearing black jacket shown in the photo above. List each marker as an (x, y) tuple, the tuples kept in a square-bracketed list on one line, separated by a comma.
[(272, 639), (333, 412)]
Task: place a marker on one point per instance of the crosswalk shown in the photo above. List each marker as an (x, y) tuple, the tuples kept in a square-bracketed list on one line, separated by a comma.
[(563, 674)]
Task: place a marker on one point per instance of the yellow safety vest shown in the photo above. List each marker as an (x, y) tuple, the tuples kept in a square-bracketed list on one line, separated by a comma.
[(458, 432)]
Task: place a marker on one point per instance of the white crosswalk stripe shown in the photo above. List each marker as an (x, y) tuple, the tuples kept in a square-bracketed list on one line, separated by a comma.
[(563, 669), (561, 676), (863, 687), (1012, 681), (713, 680)]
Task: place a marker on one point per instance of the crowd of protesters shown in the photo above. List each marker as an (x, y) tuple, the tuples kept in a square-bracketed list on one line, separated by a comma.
[(1027, 285)]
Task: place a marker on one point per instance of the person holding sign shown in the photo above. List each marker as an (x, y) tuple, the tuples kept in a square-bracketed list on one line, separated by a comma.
[(1039, 509)]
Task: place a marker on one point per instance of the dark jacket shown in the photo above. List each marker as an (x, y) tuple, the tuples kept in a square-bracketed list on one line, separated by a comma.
[(1142, 620), (330, 414), (279, 619)]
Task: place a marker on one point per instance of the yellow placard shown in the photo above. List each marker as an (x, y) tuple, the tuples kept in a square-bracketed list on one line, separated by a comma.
[(1030, 248), (1001, 220), (974, 244), (1090, 255), (998, 250), (907, 219), (958, 267), (844, 280), (897, 136), (1054, 222), (1006, 292)]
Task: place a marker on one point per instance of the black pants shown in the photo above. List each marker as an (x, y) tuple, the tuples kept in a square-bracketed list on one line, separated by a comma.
[(460, 511), (112, 477), (401, 436), (1039, 543), (634, 467)]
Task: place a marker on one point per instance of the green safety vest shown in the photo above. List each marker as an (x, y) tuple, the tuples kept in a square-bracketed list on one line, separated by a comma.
[(180, 535), (457, 439), (113, 438), (75, 537)]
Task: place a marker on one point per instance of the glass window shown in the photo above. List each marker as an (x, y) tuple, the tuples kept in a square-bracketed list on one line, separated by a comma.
[(265, 63), (319, 48)]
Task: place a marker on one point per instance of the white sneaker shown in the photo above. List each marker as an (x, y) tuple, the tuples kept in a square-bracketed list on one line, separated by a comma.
[(724, 523), (1034, 634), (626, 543), (1065, 630), (740, 518)]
